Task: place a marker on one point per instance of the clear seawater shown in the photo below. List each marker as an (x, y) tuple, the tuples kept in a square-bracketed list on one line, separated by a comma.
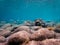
[(22, 10)]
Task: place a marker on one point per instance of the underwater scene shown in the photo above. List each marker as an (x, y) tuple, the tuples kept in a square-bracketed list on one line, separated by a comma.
[(29, 22)]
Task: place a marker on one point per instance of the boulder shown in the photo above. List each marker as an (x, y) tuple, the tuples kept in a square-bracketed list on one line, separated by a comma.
[(6, 26), (18, 38), (34, 43), (42, 34), (35, 28), (40, 22), (51, 42), (5, 33), (2, 39), (27, 23), (57, 28), (23, 28), (2, 44), (57, 35)]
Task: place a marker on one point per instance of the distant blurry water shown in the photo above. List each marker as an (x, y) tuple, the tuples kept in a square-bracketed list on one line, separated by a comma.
[(21, 10)]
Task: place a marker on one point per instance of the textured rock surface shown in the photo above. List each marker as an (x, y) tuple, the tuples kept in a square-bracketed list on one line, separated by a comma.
[(18, 38), (51, 42), (2, 44), (57, 35), (29, 34), (42, 34), (34, 43), (22, 28), (5, 33), (2, 39)]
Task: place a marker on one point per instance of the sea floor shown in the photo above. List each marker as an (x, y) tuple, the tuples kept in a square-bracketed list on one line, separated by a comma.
[(30, 33)]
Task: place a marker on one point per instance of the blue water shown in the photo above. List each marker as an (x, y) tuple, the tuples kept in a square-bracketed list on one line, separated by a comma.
[(29, 10)]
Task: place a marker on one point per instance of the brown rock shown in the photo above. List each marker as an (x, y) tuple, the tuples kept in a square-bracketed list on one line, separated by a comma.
[(35, 28), (18, 38), (2, 39), (34, 43), (51, 28), (2, 44), (6, 26), (51, 42), (5, 33), (42, 34), (57, 35), (57, 28), (22, 28)]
